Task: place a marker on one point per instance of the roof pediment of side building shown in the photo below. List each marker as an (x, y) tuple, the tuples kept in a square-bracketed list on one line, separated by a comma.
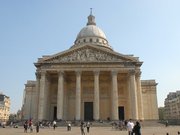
[(88, 54)]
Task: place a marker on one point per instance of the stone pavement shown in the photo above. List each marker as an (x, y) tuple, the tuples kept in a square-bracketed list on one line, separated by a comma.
[(172, 130)]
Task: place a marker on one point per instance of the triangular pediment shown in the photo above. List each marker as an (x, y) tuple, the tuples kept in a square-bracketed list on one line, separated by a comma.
[(86, 54)]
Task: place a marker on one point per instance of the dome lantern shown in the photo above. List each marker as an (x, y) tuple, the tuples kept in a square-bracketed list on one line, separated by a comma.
[(91, 19)]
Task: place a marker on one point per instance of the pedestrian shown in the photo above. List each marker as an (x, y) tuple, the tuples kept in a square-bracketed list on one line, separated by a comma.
[(137, 128), (54, 124), (68, 126), (130, 126), (166, 123), (25, 126), (11, 125), (88, 126), (37, 127), (31, 125), (82, 128)]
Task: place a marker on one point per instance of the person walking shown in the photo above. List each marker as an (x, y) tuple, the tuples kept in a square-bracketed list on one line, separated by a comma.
[(137, 128), (31, 125), (54, 124), (68, 126), (166, 123), (88, 124), (25, 126), (130, 126), (82, 128), (37, 127)]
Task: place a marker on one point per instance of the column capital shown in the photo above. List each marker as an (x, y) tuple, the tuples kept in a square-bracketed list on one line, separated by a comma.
[(114, 72), (78, 72), (96, 72), (60, 72), (138, 73), (38, 75), (43, 72), (131, 72)]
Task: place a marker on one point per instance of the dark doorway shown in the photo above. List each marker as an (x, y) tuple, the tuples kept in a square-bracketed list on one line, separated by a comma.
[(121, 112), (88, 111), (55, 113)]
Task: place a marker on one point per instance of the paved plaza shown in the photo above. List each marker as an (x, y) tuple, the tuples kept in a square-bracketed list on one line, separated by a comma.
[(172, 130)]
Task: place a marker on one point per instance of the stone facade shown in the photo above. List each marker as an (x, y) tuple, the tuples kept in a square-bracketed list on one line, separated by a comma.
[(90, 81)]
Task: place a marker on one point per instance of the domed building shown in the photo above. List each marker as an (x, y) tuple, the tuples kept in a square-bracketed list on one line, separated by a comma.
[(90, 81)]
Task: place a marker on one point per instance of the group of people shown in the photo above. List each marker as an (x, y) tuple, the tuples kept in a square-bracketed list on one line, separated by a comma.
[(83, 125), (29, 125), (133, 129)]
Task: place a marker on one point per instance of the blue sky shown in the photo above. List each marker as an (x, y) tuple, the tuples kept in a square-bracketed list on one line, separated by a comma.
[(149, 29)]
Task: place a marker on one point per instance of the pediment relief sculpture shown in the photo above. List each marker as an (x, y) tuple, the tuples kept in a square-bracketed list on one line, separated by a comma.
[(85, 55)]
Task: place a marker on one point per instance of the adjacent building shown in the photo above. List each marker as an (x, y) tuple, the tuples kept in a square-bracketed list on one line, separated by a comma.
[(172, 106), (90, 81), (4, 108)]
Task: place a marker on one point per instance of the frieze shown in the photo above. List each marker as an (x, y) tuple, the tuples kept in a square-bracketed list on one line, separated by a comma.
[(85, 55)]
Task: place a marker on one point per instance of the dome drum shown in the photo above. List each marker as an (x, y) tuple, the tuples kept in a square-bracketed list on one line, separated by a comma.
[(91, 40)]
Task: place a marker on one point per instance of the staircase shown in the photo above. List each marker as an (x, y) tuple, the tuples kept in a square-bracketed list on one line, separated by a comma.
[(146, 123)]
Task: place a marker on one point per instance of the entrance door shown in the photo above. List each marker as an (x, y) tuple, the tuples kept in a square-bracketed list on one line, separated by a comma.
[(88, 111), (55, 113), (121, 112)]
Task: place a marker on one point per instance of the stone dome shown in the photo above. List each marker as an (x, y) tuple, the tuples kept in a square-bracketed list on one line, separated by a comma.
[(91, 34), (91, 31)]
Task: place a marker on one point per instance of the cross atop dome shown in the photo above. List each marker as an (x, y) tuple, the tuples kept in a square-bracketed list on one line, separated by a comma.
[(91, 11), (91, 18)]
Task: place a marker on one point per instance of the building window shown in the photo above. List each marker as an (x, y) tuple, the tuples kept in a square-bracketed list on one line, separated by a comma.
[(84, 40), (90, 40), (97, 40)]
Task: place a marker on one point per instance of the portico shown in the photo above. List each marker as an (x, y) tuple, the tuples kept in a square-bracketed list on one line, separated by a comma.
[(96, 85)]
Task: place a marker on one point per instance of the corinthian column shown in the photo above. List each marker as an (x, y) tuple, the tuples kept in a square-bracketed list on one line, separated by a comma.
[(114, 97), (139, 95), (42, 96), (38, 77), (60, 96), (78, 95), (133, 93), (96, 95)]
